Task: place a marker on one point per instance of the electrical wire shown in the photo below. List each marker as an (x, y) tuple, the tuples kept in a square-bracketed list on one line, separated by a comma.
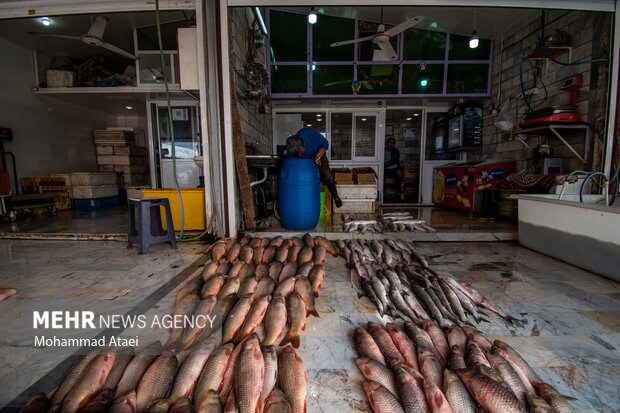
[(170, 121), (522, 86)]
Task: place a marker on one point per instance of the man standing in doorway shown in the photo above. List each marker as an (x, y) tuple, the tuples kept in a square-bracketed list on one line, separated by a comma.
[(308, 143), (393, 166)]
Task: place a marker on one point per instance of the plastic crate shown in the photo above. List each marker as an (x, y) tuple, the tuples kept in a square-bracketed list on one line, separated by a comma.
[(94, 203), (193, 206), (62, 202), (29, 185)]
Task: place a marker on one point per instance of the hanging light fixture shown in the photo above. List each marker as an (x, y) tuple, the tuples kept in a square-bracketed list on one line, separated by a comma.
[(474, 40), (423, 76), (312, 17)]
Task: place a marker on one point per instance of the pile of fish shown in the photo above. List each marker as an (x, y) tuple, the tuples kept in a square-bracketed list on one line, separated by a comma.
[(394, 221), (211, 378), (404, 221), (254, 284), (413, 369), (258, 292), (398, 280)]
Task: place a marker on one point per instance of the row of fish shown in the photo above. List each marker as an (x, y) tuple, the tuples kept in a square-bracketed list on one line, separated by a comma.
[(423, 370), (266, 250), (400, 282), (254, 283), (257, 290), (211, 378), (394, 221)]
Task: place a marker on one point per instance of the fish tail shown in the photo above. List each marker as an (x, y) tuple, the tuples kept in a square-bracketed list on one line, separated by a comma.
[(288, 339), (296, 341)]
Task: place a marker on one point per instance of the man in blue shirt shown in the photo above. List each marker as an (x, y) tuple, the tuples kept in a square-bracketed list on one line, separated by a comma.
[(308, 143)]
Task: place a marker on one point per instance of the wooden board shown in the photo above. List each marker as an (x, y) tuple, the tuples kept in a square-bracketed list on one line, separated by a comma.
[(241, 162)]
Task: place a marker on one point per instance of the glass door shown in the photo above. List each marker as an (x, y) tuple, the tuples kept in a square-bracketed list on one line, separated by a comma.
[(353, 138), (401, 159), (436, 151), (187, 144), (365, 137)]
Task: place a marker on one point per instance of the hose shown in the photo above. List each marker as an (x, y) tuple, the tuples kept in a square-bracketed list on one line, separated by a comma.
[(522, 86), (170, 121), (583, 184)]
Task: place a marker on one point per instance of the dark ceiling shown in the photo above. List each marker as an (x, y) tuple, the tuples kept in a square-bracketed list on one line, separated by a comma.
[(119, 32)]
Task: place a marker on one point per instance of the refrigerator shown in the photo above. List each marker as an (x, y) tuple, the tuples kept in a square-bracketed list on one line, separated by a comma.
[(461, 186)]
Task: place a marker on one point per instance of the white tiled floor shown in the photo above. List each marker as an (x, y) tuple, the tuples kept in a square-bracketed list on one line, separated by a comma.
[(572, 336)]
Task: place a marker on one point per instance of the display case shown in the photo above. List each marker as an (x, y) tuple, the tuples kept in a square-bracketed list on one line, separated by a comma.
[(461, 185)]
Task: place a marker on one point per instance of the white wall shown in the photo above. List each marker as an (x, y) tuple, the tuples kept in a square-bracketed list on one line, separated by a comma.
[(50, 135)]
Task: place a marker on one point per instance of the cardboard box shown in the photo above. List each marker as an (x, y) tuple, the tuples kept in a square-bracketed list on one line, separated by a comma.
[(365, 175), (411, 175), (343, 175)]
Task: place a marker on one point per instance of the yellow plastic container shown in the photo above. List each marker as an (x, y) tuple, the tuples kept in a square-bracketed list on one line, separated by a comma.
[(193, 206), (62, 202)]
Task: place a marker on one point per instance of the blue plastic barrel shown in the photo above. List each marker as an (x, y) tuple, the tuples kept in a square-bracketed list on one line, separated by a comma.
[(299, 194)]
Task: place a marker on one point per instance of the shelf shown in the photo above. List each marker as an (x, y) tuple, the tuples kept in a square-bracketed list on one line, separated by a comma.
[(539, 54), (154, 88), (554, 50), (555, 129)]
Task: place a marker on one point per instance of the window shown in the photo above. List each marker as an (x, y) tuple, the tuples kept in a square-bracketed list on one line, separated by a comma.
[(328, 30), (365, 136), (424, 45), (460, 50), (427, 81), (341, 136), (289, 79), (466, 78), (332, 79), (378, 79), (287, 34), (303, 63)]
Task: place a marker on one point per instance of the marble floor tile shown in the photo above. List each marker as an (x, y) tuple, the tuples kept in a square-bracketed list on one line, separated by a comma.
[(571, 334)]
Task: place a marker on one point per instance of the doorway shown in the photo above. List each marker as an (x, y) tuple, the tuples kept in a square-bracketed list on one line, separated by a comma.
[(402, 155), (187, 144)]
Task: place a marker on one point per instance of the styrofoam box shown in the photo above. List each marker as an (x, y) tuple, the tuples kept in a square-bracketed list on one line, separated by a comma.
[(93, 178), (347, 192), (99, 191), (355, 206)]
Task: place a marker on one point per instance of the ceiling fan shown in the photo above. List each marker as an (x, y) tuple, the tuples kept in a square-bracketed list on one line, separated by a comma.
[(382, 38), (94, 37)]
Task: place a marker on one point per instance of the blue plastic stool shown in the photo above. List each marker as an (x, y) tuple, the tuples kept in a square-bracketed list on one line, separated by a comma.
[(145, 223)]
